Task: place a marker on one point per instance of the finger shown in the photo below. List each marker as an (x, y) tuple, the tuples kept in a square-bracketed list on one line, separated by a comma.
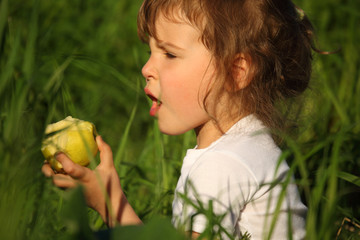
[(106, 156), (64, 181), (47, 170), (72, 169)]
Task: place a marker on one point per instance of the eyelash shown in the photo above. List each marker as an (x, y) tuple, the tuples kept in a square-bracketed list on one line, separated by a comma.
[(169, 55)]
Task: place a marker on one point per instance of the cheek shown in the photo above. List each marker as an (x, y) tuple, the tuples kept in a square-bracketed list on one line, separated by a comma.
[(187, 83), (180, 91)]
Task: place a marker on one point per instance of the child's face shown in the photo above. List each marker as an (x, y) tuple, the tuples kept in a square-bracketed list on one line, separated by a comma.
[(178, 73)]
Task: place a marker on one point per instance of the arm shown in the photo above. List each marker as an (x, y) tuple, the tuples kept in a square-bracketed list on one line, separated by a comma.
[(102, 186)]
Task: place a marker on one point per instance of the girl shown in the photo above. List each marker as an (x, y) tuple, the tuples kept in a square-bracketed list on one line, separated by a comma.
[(218, 67)]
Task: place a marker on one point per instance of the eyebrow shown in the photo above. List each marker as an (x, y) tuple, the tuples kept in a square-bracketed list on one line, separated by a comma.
[(162, 44)]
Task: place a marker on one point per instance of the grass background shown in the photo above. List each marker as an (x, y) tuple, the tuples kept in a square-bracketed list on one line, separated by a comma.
[(83, 58)]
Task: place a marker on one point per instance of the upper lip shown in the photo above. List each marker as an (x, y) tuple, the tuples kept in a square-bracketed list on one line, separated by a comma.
[(150, 95)]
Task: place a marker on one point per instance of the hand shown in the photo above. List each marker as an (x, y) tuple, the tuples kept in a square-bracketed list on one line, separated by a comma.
[(103, 191)]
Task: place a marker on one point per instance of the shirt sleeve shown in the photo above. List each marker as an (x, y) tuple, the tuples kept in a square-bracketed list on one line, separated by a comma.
[(217, 183)]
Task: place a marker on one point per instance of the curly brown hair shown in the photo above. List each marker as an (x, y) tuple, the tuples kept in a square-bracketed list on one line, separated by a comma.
[(276, 35)]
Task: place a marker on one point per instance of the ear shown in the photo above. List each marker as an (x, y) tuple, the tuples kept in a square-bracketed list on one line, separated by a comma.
[(241, 71)]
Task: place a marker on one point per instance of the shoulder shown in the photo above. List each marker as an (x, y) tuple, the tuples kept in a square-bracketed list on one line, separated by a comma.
[(219, 163), (220, 174), (251, 157)]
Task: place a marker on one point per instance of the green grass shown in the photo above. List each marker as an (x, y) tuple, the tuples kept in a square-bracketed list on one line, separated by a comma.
[(83, 58)]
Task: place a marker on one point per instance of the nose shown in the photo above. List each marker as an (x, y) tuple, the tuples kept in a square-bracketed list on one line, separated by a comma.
[(148, 70)]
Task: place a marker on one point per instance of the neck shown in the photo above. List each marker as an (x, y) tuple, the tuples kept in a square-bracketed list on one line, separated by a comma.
[(205, 136), (208, 133)]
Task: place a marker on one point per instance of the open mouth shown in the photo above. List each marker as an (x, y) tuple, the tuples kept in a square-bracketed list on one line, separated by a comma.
[(156, 103)]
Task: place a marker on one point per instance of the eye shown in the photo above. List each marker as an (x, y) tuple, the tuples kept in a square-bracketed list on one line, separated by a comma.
[(169, 55)]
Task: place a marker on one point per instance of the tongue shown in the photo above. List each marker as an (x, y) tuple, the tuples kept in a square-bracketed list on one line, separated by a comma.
[(154, 108)]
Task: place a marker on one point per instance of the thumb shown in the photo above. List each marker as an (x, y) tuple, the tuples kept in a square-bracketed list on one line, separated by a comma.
[(106, 156), (72, 169)]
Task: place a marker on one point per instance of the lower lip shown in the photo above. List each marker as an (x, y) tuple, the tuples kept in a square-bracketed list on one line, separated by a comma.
[(154, 109)]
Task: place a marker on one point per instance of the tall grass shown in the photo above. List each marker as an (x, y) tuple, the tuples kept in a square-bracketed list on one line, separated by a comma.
[(83, 58), (328, 145)]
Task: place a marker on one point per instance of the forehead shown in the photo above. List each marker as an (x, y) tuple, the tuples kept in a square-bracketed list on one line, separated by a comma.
[(175, 30)]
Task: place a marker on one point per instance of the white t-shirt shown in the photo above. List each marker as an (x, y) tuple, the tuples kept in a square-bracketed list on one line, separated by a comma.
[(244, 177)]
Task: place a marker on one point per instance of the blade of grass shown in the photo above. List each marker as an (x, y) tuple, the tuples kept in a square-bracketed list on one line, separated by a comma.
[(335, 101), (15, 115), (350, 178), (55, 81), (92, 65), (8, 71), (68, 103), (3, 18), (121, 147), (329, 207), (29, 56)]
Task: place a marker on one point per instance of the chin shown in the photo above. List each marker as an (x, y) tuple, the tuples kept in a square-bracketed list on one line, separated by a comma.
[(172, 130)]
